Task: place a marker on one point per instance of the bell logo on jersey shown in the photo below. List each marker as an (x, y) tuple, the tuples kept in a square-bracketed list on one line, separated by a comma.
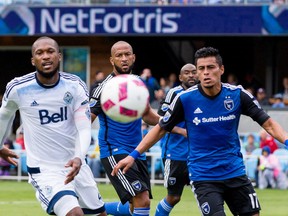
[(46, 117)]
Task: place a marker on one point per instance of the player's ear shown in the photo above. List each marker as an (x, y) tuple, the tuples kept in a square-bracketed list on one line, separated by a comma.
[(111, 61), (222, 69), (60, 56), (134, 58), (32, 61)]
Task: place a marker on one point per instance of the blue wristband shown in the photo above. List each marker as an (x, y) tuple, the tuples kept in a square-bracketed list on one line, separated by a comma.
[(135, 154), (286, 142)]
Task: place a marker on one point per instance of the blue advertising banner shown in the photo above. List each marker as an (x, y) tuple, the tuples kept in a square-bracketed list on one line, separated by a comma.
[(134, 21)]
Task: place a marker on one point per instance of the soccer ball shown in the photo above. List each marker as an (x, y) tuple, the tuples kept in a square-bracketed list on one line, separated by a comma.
[(124, 98)]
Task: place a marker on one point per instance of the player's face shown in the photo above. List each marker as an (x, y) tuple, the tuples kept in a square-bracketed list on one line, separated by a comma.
[(46, 58), (209, 72), (189, 77), (122, 59)]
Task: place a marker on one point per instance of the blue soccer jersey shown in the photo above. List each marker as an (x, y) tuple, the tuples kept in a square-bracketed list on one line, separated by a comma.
[(174, 146), (212, 124), (114, 137)]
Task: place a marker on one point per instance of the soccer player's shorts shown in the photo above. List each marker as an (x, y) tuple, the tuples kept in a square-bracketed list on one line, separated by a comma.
[(135, 180), (52, 192), (176, 176), (238, 193)]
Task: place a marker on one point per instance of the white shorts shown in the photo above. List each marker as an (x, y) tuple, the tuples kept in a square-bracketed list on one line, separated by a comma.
[(50, 188)]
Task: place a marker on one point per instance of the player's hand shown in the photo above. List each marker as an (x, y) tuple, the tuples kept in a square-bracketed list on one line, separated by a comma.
[(8, 156), (125, 163), (75, 163)]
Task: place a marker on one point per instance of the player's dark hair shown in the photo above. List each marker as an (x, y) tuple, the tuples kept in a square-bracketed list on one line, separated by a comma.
[(45, 38), (208, 52)]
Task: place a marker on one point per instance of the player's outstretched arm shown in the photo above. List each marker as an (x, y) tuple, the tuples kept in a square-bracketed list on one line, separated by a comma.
[(276, 131), (150, 116), (149, 140), (8, 155)]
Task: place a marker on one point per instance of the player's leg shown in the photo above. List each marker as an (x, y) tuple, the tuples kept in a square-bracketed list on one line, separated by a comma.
[(134, 186), (241, 197), (210, 197), (118, 209), (262, 180), (68, 205), (87, 192), (175, 178), (53, 195)]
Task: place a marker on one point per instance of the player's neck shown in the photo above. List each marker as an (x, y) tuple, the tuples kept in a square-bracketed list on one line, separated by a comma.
[(48, 81)]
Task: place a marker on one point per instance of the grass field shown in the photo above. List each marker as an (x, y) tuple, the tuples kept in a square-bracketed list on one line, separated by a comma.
[(18, 199)]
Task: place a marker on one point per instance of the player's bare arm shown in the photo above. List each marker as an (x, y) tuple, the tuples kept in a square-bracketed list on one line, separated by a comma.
[(275, 130), (150, 116), (148, 141)]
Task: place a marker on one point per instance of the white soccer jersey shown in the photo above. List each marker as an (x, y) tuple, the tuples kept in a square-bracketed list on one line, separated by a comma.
[(47, 113)]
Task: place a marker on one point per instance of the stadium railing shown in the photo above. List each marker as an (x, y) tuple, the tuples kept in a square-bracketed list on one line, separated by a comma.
[(19, 173), (250, 162)]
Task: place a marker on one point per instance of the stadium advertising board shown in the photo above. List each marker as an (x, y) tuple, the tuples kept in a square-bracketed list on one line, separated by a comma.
[(153, 20)]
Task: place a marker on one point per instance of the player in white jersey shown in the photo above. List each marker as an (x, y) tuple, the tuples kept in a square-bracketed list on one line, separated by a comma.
[(56, 117)]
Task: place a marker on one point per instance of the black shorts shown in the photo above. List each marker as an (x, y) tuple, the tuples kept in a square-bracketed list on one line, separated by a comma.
[(135, 180), (175, 176), (238, 193)]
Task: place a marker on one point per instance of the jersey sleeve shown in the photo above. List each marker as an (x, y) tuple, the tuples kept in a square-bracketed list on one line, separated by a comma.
[(173, 116), (252, 108), (7, 112), (95, 104), (164, 104), (82, 95)]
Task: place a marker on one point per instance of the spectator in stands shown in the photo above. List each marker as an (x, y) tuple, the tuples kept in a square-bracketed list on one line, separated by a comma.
[(251, 82), (181, 2), (98, 78), (262, 97), (4, 165), (251, 90), (94, 160), (173, 80), (278, 101), (150, 82), (270, 172), (267, 140), (20, 137), (232, 79), (250, 145), (164, 84), (159, 96), (283, 92), (145, 129)]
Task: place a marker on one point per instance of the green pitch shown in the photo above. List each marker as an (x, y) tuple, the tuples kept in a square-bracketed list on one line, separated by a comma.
[(18, 199)]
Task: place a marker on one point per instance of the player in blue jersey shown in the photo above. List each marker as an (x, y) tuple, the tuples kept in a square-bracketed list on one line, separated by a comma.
[(212, 111), (55, 114), (117, 140), (175, 147)]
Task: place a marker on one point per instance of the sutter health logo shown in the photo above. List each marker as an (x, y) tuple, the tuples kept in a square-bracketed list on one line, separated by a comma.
[(197, 121)]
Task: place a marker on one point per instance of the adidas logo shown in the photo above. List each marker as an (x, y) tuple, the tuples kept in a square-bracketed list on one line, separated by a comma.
[(34, 103), (197, 111)]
